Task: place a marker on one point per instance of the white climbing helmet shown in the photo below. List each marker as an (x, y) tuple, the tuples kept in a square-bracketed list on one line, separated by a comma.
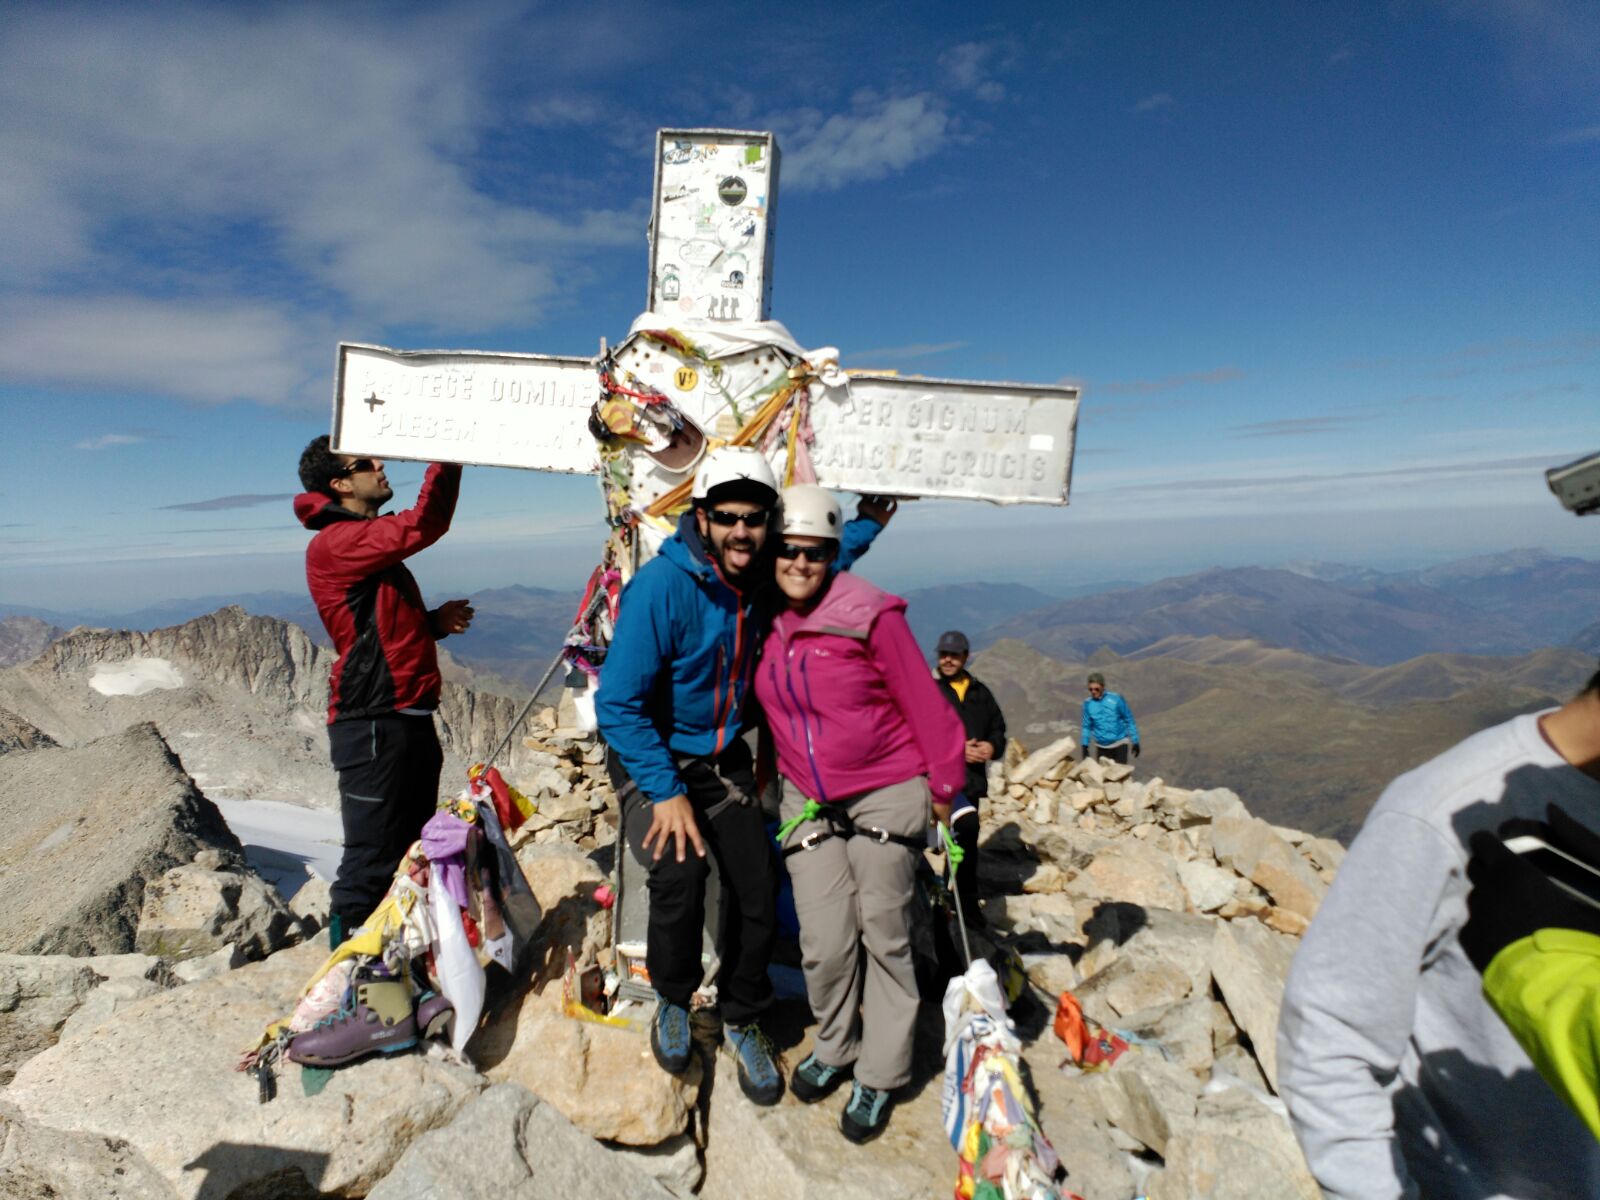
[(809, 510), (738, 469)]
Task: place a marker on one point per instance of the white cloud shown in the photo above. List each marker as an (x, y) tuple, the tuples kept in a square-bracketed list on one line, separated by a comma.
[(206, 352), (336, 149), (1576, 137), (879, 136), (1153, 102), (106, 440)]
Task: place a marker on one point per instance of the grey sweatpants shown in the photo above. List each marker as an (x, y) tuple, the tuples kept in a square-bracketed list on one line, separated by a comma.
[(853, 897)]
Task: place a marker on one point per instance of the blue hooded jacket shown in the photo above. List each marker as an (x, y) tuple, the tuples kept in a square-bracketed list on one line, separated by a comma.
[(1107, 721), (679, 666)]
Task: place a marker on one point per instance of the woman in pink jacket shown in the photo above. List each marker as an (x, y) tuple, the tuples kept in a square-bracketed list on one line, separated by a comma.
[(865, 744)]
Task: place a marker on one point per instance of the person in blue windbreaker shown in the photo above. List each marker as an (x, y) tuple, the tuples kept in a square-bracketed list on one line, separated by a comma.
[(1107, 723)]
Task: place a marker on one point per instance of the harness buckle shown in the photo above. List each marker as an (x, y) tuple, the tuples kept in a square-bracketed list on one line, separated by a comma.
[(881, 836), (816, 835)]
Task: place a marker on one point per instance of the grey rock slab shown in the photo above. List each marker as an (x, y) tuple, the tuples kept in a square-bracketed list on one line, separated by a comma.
[(1237, 1149), (1097, 1166), (1038, 764), (192, 911), (1251, 963), (110, 998), (83, 830), (508, 1144), (1181, 1030), (38, 993), (1250, 847), (675, 1163), (795, 1151), (159, 1077), (1209, 886), (40, 1163), (1145, 1096)]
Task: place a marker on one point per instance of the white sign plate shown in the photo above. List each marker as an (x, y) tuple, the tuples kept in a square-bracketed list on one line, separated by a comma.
[(493, 410), (712, 224), (1003, 442)]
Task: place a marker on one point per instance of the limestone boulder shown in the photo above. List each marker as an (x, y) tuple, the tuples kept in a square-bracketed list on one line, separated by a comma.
[(1131, 985), (37, 995), (1237, 1149), (39, 1163), (1250, 847), (191, 911), (1212, 804), (508, 1144), (675, 1164), (1209, 887), (1182, 1030), (573, 923), (1146, 937), (1038, 764), (1145, 1096), (1131, 872), (1251, 964), (1325, 853), (604, 1080), (312, 902), (83, 829), (1097, 1165), (157, 1079), (794, 1151)]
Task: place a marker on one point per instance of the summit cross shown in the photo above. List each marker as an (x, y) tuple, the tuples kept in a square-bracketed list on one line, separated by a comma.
[(713, 218)]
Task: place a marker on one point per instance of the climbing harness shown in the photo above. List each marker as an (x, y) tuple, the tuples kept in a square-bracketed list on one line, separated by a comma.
[(840, 825)]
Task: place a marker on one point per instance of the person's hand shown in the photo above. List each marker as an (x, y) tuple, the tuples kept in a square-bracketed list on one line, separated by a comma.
[(879, 508), (978, 751), (941, 813), (1136, 749), (673, 820), (453, 616)]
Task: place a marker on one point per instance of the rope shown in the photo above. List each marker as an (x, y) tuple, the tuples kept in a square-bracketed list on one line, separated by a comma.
[(810, 812), (955, 854)]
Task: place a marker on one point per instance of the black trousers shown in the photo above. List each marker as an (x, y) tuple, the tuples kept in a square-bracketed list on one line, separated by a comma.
[(1118, 753), (723, 792), (388, 788), (964, 829)]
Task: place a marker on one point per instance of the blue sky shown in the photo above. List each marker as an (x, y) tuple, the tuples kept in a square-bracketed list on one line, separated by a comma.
[(1328, 274)]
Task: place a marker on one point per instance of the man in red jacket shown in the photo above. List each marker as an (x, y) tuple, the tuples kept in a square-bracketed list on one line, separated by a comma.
[(385, 684)]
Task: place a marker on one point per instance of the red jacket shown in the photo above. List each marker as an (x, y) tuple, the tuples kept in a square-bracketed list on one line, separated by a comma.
[(849, 700), (370, 604)]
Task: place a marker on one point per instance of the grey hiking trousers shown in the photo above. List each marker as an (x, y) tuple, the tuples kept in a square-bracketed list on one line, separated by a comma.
[(853, 897)]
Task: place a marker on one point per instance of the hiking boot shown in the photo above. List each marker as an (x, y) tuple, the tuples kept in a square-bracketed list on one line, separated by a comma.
[(758, 1074), (867, 1114), (814, 1079), (377, 1018), (669, 1036), (436, 1016)]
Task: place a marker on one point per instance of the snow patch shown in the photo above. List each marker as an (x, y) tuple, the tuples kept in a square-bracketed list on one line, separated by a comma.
[(135, 677)]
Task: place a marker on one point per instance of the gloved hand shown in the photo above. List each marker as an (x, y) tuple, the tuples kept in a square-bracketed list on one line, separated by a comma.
[(1512, 899), (1136, 749)]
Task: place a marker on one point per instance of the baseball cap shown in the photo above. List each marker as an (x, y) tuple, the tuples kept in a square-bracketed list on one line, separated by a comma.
[(953, 641)]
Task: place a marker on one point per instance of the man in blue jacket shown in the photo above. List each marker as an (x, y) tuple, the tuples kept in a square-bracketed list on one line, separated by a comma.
[(1107, 723), (671, 709)]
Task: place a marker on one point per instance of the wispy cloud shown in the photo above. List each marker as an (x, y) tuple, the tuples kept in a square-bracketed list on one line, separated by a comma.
[(914, 350), (347, 175), (1151, 103), (1300, 426), (1575, 137), (207, 352), (244, 500), (1342, 55), (106, 440), (970, 67), (1267, 482), (1146, 387), (878, 136)]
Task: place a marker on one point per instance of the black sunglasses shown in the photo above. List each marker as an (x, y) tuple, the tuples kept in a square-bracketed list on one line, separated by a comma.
[(355, 468), (752, 520), (815, 554)]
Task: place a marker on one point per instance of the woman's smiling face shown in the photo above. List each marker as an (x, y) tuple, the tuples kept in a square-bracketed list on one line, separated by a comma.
[(799, 578)]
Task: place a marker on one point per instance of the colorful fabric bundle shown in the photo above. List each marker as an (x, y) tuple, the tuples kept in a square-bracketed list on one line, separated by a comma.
[(1091, 1046), (990, 1122)]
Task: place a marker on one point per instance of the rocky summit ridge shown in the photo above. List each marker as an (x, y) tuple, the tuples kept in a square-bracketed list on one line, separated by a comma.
[(140, 955)]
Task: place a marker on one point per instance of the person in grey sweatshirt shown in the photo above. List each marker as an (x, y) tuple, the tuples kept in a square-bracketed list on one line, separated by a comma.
[(1400, 1079)]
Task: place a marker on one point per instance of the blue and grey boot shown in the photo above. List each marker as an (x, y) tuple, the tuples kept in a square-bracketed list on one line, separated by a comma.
[(867, 1114), (758, 1074), (814, 1079), (669, 1036)]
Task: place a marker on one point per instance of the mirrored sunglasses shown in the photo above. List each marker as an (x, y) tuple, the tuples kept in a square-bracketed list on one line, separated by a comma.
[(814, 554), (726, 519)]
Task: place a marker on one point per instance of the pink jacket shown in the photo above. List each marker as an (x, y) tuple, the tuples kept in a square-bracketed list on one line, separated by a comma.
[(850, 702)]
